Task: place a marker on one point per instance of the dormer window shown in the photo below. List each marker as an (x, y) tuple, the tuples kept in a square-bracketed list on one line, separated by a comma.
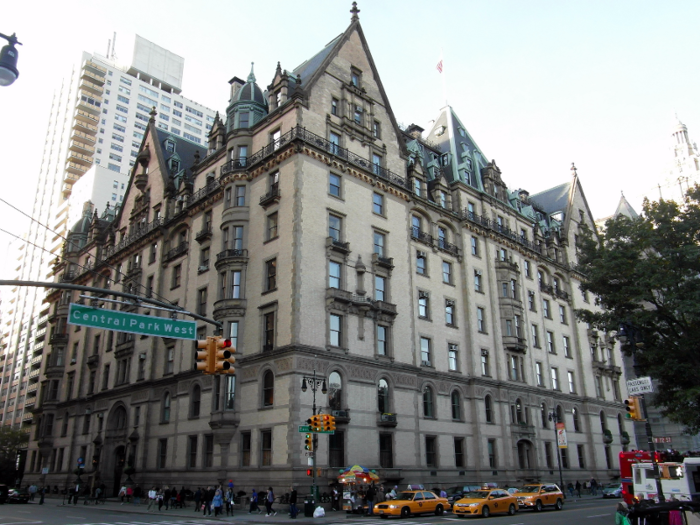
[(174, 165), (243, 119), (355, 77), (440, 130), (169, 146)]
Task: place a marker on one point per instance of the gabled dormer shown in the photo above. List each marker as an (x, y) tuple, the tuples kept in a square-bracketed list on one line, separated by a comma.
[(248, 104)]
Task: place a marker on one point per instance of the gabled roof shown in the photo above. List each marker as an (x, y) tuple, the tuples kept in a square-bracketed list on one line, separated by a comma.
[(625, 208), (309, 67), (554, 199)]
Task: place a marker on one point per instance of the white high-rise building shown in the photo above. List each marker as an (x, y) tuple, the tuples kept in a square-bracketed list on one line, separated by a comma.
[(98, 116)]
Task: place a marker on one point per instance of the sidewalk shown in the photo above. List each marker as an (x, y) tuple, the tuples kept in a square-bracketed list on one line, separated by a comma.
[(239, 515)]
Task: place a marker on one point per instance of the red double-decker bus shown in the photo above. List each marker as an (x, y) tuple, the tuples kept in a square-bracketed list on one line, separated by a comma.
[(626, 461)]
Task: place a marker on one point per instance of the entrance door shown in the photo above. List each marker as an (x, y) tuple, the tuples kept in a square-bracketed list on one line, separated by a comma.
[(119, 459)]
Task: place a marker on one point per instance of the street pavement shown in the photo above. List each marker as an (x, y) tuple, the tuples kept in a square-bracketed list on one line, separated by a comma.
[(112, 512)]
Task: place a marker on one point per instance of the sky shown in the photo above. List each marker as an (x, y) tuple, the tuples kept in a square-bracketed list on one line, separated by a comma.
[(539, 84)]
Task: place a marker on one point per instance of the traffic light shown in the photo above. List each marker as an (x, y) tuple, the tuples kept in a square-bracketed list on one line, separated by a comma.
[(309, 472), (309, 442), (206, 359), (223, 351), (331, 423), (325, 422), (315, 423), (634, 408)]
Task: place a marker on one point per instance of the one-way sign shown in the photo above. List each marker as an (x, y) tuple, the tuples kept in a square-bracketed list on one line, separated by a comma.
[(641, 385)]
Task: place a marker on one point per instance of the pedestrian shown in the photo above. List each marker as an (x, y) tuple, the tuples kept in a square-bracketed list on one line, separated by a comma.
[(122, 493), (369, 498), (594, 487), (159, 496), (208, 496), (129, 494), (578, 488), (197, 498), (217, 502), (228, 501), (42, 492), (152, 498), (183, 497), (98, 492), (32, 492), (269, 500), (570, 488), (167, 493), (621, 513), (293, 511), (76, 494), (137, 495), (443, 493), (254, 503), (335, 499)]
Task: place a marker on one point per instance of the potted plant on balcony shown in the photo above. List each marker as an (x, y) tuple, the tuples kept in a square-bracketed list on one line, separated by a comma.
[(129, 470), (607, 436), (624, 437)]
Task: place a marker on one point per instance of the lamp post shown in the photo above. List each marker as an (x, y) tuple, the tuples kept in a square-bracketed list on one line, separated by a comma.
[(8, 60), (315, 383), (629, 335), (555, 419)]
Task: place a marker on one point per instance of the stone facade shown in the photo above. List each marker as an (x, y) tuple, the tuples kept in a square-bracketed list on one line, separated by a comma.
[(326, 240)]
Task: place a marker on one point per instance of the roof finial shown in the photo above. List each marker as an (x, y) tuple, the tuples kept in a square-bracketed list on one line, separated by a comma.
[(354, 12), (573, 168), (251, 77), (153, 114)]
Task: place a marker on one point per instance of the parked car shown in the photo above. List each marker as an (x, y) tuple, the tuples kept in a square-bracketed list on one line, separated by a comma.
[(485, 502), (17, 496), (455, 493), (537, 496), (411, 502), (612, 490)]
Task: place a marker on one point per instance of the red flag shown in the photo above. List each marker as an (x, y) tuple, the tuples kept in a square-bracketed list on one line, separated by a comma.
[(439, 66)]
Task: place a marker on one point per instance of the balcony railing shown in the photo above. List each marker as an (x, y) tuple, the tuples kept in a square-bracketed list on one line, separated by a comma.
[(338, 245), (207, 190), (300, 133), (203, 235), (501, 230), (448, 247), (421, 236), (386, 262), (271, 196), (134, 236), (386, 420), (177, 251), (231, 254)]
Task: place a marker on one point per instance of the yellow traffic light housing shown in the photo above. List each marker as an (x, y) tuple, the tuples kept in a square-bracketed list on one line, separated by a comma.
[(223, 352), (314, 423), (325, 422), (331, 423), (309, 442), (633, 406), (205, 359)]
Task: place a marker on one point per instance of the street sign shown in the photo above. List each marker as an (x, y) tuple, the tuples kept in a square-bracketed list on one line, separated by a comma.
[(641, 385), (133, 323), (307, 428)]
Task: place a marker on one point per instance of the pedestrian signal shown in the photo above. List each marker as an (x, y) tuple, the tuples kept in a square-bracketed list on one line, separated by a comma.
[(309, 472)]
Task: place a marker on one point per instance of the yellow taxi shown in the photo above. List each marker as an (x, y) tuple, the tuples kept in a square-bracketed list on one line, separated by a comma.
[(411, 502), (485, 502), (537, 496)]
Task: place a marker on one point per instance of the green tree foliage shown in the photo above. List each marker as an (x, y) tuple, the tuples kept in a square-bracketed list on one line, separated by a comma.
[(11, 441), (646, 272)]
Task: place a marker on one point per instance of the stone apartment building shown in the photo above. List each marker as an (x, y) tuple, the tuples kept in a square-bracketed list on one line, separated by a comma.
[(396, 264)]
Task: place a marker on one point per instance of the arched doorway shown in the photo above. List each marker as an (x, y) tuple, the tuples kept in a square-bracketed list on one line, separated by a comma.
[(525, 457), (119, 460)]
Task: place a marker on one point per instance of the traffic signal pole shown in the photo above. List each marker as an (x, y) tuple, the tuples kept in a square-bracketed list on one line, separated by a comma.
[(314, 383), (652, 450)]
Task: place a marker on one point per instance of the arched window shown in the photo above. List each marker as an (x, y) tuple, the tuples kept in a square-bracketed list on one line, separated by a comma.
[(383, 397), (428, 402), (335, 390), (117, 421), (268, 389), (195, 401), (577, 421), (519, 413), (456, 406), (560, 415), (165, 413), (603, 422), (544, 415), (488, 409)]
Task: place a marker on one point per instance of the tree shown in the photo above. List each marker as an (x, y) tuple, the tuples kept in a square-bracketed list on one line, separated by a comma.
[(645, 273), (11, 441)]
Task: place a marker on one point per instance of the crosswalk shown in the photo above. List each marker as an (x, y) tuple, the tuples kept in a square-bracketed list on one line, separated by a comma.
[(151, 522)]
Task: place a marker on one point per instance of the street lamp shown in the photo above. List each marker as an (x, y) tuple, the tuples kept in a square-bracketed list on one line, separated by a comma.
[(8, 60), (555, 419), (629, 335), (315, 383)]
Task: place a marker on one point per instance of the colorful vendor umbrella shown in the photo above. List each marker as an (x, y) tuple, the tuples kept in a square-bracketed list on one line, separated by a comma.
[(357, 474)]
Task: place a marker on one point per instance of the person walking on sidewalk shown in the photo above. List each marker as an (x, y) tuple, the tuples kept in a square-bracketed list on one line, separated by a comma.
[(167, 494), (293, 511), (269, 500), (197, 498), (578, 488), (137, 495), (254, 502), (217, 502), (228, 501), (122, 493), (207, 497), (152, 498), (160, 499)]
